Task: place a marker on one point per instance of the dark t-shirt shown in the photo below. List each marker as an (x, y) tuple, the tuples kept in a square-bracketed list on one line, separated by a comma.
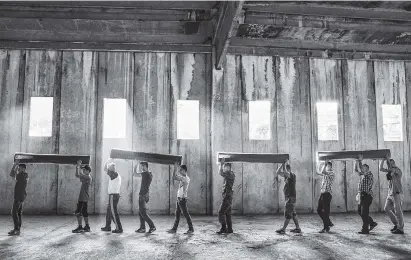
[(289, 186), (21, 185), (85, 185), (146, 178), (229, 178)]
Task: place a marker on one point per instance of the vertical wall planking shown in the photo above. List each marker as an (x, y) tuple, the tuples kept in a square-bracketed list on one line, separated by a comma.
[(188, 82), (391, 90), (42, 79), (77, 124), (294, 126), (151, 131), (227, 128), (360, 124), (326, 86), (260, 188), (406, 181), (11, 104), (115, 80)]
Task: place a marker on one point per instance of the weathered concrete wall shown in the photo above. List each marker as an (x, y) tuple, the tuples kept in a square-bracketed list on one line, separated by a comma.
[(153, 82)]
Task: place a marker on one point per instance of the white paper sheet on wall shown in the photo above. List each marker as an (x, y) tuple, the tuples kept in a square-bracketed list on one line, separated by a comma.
[(41, 116), (392, 122), (259, 120), (188, 119), (115, 116), (327, 115)]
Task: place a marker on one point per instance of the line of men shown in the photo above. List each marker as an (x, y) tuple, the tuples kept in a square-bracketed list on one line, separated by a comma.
[(393, 205)]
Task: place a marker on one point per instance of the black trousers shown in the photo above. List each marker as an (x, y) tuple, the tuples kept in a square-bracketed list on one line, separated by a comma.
[(16, 213), (224, 214), (81, 209), (112, 214), (181, 206), (364, 211), (144, 217), (323, 208)]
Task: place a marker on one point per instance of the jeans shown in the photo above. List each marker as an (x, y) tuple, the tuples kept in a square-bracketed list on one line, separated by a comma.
[(144, 217), (181, 206), (112, 214), (16, 213), (393, 208), (364, 211), (323, 208), (224, 214)]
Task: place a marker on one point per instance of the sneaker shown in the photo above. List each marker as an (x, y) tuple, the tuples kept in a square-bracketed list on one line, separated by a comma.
[(86, 228), (295, 230), (117, 231), (280, 231), (229, 231), (79, 229), (373, 225), (190, 231), (14, 232), (106, 229), (397, 231), (363, 232), (152, 229), (324, 230), (222, 231), (331, 224), (172, 231), (395, 228), (141, 230)]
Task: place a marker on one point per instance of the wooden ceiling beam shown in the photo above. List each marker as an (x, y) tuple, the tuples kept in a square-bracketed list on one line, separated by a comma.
[(320, 45), (313, 53), (226, 28), (157, 5), (100, 46), (106, 14), (326, 22), (313, 9)]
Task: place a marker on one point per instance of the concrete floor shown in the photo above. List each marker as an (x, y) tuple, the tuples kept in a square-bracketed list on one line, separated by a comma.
[(50, 237)]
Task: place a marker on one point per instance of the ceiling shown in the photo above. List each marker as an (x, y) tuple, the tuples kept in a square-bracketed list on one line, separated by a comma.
[(328, 29)]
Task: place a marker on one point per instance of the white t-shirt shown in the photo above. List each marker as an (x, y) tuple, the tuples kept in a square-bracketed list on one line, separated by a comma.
[(182, 186), (114, 185)]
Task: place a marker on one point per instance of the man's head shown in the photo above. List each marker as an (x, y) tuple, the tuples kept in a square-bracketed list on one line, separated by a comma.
[(22, 168), (288, 168), (143, 166), (365, 168), (227, 167), (329, 166), (392, 163), (111, 167), (183, 170), (86, 169)]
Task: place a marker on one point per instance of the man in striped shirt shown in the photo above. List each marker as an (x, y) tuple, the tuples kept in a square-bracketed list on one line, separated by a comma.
[(324, 202), (365, 195)]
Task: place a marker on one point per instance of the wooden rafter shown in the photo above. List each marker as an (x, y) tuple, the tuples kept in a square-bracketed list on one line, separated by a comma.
[(226, 28)]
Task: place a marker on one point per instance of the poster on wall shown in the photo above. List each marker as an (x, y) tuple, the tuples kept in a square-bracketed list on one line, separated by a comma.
[(188, 119), (327, 123), (115, 118), (392, 122), (259, 120), (41, 116)]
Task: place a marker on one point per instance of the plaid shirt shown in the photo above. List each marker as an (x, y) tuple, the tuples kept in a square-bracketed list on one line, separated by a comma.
[(327, 182), (366, 182)]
